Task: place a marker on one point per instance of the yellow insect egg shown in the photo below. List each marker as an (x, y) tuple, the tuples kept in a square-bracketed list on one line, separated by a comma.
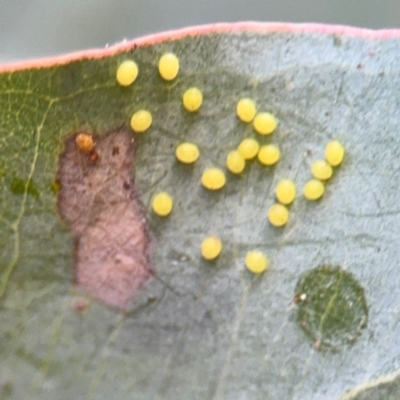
[(213, 179), (192, 99), (248, 148), (269, 154), (321, 170), (187, 153), (285, 191), (264, 123), (235, 162), (211, 247), (246, 110), (334, 153), (168, 66), (256, 262), (127, 73), (162, 204), (278, 215), (85, 142), (141, 121), (314, 189)]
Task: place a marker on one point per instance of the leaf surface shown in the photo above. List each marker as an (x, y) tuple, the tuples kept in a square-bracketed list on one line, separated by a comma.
[(204, 330)]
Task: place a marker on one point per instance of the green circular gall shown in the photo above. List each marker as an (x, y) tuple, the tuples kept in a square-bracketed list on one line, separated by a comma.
[(331, 306)]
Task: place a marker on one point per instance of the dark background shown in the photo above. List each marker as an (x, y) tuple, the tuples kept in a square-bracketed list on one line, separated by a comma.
[(35, 28)]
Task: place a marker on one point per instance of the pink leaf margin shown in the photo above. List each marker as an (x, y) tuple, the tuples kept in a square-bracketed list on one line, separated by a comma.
[(236, 27)]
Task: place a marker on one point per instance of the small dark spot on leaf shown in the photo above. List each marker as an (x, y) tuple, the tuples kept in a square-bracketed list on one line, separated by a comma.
[(333, 310), (19, 186), (80, 305), (115, 150), (94, 156), (337, 41), (208, 315), (55, 186), (299, 297), (6, 389)]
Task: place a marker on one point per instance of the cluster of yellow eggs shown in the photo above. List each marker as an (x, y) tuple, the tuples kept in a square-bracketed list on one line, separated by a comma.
[(322, 170), (264, 123), (141, 120), (168, 68), (213, 178)]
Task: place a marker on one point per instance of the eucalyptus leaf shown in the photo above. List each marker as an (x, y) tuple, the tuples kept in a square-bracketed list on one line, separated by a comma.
[(201, 329)]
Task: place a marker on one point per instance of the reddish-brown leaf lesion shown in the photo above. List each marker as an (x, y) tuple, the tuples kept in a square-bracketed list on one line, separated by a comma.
[(98, 203)]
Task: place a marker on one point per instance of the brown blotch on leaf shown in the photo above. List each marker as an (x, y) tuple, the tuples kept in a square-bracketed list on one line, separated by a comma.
[(105, 219)]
